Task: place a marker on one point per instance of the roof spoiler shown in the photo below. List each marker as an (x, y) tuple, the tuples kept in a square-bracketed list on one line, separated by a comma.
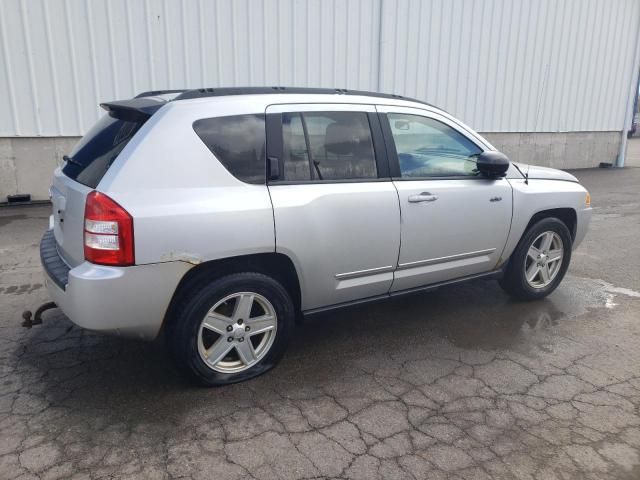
[(134, 110)]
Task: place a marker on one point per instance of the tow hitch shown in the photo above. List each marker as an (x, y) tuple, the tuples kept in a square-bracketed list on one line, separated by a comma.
[(37, 318)]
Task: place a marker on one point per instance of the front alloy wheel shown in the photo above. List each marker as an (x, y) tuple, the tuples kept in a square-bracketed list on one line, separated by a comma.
[(540, 260), (544, 259)]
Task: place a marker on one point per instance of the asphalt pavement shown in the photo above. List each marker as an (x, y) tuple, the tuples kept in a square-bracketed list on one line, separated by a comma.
[(460, 383)]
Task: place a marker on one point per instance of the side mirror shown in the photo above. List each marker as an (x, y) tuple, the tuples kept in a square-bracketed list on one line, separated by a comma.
[(492, 164)]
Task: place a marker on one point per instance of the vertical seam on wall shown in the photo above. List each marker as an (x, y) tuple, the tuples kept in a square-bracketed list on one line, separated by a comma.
[(249, 44), (379, 66), (185, 47), (217, 42), (132, 65), (167, 43), (203, 64), (34, 89), (54, 75), (74, 63), (152, 76), (112, 55), (94, 70)]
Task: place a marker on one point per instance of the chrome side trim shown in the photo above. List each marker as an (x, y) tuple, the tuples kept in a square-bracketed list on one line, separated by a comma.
[(378, 298), (361, 273), (450, 258)]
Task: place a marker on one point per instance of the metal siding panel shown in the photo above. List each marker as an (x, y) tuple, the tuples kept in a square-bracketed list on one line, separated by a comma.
[(9, 120), (26, 99), (499, 65)]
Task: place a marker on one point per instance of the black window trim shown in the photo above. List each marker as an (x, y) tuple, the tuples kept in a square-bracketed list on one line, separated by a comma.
[(275, 148), (305, 132), (394, 162)]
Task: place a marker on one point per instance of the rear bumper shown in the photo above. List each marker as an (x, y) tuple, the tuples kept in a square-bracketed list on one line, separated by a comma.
[(129, 301)]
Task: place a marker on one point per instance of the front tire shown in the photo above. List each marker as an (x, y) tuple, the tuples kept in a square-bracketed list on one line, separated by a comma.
[(539, 262), (231, 329)]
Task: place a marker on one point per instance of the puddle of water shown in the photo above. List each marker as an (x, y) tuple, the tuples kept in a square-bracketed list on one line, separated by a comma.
[(612, 291), (503, 323)]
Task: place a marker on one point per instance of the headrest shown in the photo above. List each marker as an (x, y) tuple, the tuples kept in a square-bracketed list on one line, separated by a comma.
[(343, 138)]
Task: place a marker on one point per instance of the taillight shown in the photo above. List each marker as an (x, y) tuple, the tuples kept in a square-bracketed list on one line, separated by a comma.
[(108, 232)]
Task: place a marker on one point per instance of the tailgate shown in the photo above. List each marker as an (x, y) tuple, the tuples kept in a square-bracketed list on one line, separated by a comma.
[(86, 165), (68, 199)]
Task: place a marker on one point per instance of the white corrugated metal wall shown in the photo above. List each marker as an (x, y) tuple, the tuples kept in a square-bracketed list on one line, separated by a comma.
[(500, 65)]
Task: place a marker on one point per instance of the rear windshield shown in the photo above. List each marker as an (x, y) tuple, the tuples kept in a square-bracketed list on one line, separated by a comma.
[(96, 151)]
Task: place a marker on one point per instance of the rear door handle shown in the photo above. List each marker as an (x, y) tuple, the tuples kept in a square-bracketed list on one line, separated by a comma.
[(422, 197)]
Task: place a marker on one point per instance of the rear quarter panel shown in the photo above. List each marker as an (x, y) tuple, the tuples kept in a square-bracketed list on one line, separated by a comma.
[(541, 195), (186, 206)]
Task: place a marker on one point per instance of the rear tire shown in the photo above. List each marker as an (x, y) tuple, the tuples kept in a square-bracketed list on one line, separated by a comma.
[(534, 269), (231, 329)]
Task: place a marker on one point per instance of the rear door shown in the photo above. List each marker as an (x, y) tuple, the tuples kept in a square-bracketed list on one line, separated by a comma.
[(335, 208), (454, 221)]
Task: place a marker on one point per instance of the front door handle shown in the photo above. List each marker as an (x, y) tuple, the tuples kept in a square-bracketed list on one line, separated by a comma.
[(422, 197)]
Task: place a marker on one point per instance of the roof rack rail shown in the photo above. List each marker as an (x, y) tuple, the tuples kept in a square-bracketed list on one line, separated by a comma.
[(153, 93), (227, 91)]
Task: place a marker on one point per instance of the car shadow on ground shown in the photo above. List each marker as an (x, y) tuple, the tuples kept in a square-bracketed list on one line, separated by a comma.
[(87, 371)]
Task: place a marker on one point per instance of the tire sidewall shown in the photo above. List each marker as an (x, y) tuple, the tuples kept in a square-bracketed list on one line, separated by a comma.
[(185, 342), (517, 263)]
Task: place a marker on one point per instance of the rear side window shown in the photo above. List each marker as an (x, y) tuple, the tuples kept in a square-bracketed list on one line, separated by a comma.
[(96, 151), (326, 146), (238, 142)]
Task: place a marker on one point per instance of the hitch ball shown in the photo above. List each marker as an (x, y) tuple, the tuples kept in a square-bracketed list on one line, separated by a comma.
[(27, 322)]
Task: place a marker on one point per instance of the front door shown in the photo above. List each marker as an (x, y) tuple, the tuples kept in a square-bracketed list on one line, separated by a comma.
[(335, 207), (454, 222)]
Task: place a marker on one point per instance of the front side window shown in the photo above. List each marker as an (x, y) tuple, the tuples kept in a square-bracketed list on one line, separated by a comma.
[(238, 141), (326, 146), (429, 148)]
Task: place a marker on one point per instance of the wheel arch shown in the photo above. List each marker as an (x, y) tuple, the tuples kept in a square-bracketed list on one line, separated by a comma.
[(567, 215), (275, 265)]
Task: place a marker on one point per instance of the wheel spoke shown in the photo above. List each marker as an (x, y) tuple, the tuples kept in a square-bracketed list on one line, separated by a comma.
[(246, 352), (532, 271), (217, 322), (261, 324), (219, 350), (533, 253), (243, 307), (544, 272), (546, 241), (554, 255)]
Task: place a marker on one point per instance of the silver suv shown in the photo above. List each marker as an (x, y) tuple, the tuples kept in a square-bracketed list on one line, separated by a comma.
[(224, 216)]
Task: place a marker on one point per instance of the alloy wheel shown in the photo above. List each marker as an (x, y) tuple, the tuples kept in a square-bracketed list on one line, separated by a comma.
[(237, 332), (544, 259)]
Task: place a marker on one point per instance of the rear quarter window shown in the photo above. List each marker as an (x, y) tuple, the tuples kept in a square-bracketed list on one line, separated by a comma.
[(238, 142), (93, 155)]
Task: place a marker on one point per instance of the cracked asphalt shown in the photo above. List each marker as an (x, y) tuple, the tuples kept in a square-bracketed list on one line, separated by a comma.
[(460, 383)]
